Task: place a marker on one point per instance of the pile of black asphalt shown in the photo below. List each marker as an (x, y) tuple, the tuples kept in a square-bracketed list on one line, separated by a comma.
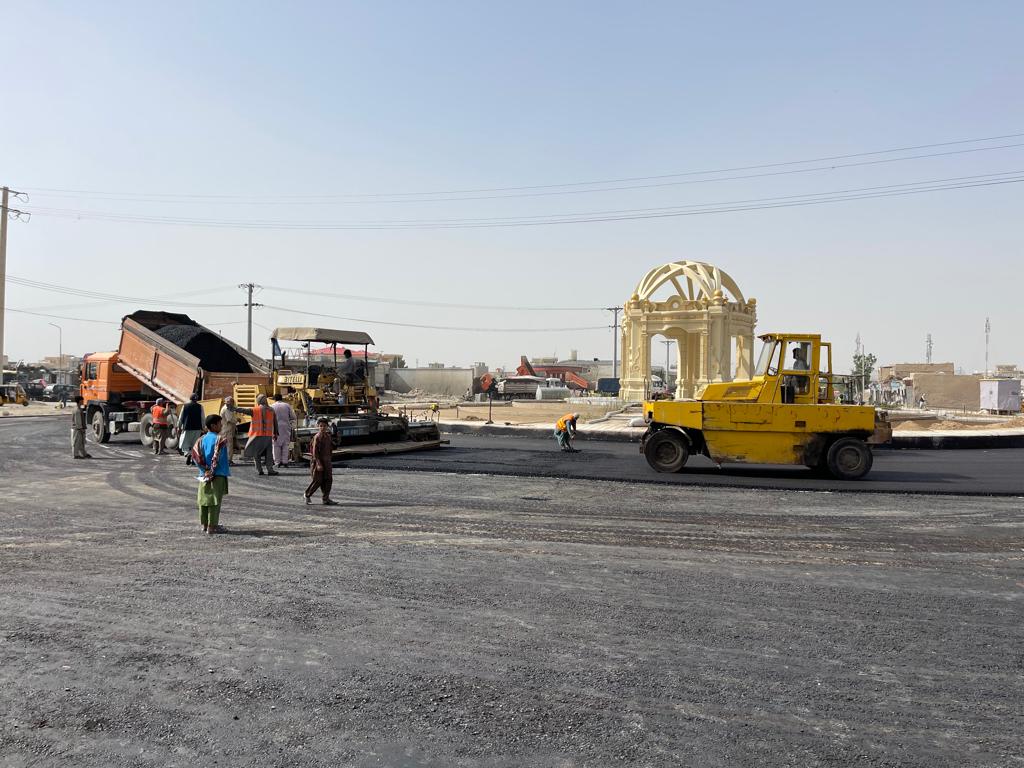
[(213, 352)]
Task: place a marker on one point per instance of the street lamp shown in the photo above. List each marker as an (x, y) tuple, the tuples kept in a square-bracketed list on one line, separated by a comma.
[(668, 345), (60, 352)]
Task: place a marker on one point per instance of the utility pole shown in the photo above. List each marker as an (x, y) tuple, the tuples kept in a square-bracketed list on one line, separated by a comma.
[(668, 346), (6, 212), (988, 331), (3, 272), (60, 351), (249, 288), (615, 340)]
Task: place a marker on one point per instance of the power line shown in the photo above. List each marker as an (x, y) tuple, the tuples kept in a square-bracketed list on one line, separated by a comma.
[(760, 166), (106, 297), (329, 200), (783, 201), (165, 298), (419, 326), (62, 317), (419, 303)]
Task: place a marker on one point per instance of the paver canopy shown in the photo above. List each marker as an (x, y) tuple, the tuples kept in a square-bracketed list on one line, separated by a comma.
[(706, 315)]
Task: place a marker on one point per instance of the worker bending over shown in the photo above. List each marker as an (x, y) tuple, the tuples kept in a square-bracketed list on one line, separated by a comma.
[(565, 430)]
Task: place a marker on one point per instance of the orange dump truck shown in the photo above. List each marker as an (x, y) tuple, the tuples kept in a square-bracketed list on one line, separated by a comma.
[(161, 354)]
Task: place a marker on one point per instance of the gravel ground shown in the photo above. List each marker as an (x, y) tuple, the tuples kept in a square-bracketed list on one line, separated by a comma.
[(438, 619)]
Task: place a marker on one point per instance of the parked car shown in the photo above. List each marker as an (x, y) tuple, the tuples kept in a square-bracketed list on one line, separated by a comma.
[(53, 392)]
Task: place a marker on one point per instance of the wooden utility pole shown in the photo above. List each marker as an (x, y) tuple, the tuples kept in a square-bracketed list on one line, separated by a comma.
[(3, 271), (615, 340), (249, 288), (6, 212)]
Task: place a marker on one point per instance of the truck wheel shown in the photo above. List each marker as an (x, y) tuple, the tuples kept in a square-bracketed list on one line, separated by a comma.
[(849, 458), (666, 451), (100, 432), (146, 430)]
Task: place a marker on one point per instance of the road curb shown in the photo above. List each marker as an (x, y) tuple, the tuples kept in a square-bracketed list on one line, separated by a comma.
[(899, 442), (502, 430), (957, 442), (31, 416)]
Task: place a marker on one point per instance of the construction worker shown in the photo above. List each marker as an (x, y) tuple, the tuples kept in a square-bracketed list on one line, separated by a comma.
[(210, 454), (190, 426), (160, 425), (286, 421), (78, 430), (228, 426), (262, 431), (349, 369), (800, 359), (320, 467), (565, 430)]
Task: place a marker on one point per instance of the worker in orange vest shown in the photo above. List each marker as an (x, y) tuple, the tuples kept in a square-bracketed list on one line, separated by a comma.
[(262, 431), (160, 425), (565, 430)]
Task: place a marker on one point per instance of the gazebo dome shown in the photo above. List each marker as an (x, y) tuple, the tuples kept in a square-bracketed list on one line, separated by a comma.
[(702, 281), (706, 314)]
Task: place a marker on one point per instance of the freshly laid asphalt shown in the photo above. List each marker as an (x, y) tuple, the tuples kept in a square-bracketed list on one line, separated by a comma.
[(997, 472)]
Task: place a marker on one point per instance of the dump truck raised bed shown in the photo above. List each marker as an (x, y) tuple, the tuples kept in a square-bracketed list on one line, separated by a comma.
[(161, 354), (785, 414)]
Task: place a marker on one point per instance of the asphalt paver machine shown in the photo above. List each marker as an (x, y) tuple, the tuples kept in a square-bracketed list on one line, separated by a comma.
[(347, 399)]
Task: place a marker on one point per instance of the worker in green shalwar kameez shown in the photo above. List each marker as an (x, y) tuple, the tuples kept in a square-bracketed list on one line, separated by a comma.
[(210, 454)]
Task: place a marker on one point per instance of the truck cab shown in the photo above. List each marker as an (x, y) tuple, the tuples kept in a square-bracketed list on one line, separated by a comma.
[(114, 399), (784, 414)]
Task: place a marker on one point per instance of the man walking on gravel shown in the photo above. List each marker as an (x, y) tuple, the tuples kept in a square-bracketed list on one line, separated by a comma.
[(320, 466), (262, 431), (78, 430), (210, 454)]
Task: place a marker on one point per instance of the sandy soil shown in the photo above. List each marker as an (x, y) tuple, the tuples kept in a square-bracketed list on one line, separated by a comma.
[(34, 408), (527, 412), (946, 424)]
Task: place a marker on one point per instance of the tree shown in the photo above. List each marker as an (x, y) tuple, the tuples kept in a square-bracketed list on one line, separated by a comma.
[(863, 366)]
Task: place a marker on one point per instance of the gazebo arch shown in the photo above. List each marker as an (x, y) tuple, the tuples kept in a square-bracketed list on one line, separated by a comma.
[(707, 316)]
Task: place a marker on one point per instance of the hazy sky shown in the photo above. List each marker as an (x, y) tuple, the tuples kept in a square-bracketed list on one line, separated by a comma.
[(242, 114)]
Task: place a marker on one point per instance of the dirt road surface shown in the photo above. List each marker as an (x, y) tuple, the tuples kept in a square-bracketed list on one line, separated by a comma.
[(438, 619)]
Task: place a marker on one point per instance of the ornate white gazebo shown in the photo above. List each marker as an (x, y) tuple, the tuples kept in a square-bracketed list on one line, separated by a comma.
[(706, 316)]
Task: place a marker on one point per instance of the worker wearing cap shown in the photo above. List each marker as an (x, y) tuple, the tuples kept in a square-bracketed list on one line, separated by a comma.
[(565, 430), (262, 431), (160, 424)]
